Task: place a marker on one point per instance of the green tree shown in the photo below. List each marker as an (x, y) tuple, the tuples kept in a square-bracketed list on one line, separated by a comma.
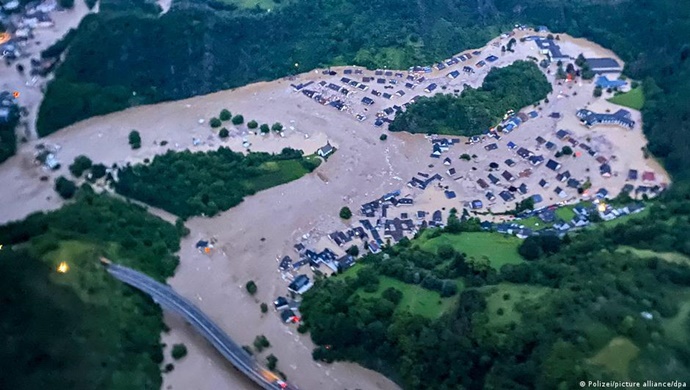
[(264, 307), (215, 123), (345, 213), (261, 343), (597, 91), (65, 188), (68, 4), (251, 287), (277, 127), (383, 137), (392, 294), (271, 362), (134, 139), (223, 133), (353, 250), (81, 163), (237, 120), (252, 124), (98, 171), (265, 129), (225, 115), (530, 248), (179, 351)]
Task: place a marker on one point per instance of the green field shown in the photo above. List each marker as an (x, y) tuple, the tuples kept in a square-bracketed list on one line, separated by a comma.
[(671, 257), (502, 301), (497, 248), (265, 4), (633, 99), (566, 213), (416, 300), (616, 356), (279, 172)]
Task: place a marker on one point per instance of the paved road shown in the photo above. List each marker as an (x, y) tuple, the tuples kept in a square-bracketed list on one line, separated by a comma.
[(168, 299)]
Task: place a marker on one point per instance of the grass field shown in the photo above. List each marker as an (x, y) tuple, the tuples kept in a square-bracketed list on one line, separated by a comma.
[(416, 299), (676, 328), (265, 4), (671, 257), (633, 99), (616, 356), (497, 248), (280, 172), (501, 303), (566, 213)]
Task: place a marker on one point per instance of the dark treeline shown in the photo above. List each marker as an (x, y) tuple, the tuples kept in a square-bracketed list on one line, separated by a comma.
[(82, 329), (591, 293), (8, 135), (187, 183), (512, 87), (119, 50)]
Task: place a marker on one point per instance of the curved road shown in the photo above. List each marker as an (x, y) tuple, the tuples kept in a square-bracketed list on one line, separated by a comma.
[(168, 299)]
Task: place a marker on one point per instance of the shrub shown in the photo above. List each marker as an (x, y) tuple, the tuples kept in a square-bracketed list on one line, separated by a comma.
[(215, 122), (264, 307), (223, 133), (271, 362), (252, 124), (261, 342), (237, 120), (80, 164), (383, 137), (251, 287), (65, 188), (264, 128), (345, 213), (179, 351), (353, 250), (134, 139), (225, 115), (597, 91)]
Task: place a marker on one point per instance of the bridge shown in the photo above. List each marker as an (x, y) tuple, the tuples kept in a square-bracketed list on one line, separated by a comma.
[(170, 300)]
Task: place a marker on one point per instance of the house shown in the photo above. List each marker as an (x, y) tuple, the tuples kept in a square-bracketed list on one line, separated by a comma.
[(524, 153), (202, 244), (450, 194), (300, 285), (550, 48), (491, 147), (605, 170), (299, 248), (454, 74), (437, 217), (648, 176), (287, 316), (374, 247), (627, 188), (430, 88), (281, 303), (621, 118), (562, 177), (508, 176), (285, 263), (490, 196), (602, 193), (511, 145), (421, 214), (483, 184), (345, 262), (559, 191), (486, 225), (573, 183), (550, 145), (406, 201), (547, 215), (536, 160), (541, 140), (494, 180), (510, 162), (605, 83), (506, 196), (477, 204), (537, 198), (553, 165), (632, 175), (562, 134), (452, 172), (581, 210), (447, 161), (604, 65), (543, 183), (325, 150), (522, 189)]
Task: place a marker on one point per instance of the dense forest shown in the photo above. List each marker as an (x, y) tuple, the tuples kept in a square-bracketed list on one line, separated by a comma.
[(608, 305), (8, 136), (476, 110), (82, 329), (204, 183)]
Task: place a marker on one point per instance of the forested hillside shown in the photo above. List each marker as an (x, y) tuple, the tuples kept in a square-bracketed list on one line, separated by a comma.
[(515, 86)]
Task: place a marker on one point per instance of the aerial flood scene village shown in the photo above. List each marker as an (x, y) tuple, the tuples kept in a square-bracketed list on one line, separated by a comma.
[(203, 195)]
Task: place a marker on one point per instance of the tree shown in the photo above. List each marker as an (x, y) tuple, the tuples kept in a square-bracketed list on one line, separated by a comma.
[(251, 287), (525, 204), (345, 213), (81, 163), (383, 137), (261, 342), (252, 124), (225, 115), (68, 4), (98, 171), (567, 150), (271, 362), (215, 123), (597, 91), (179, 351), (530, 249), (465, 157), (264, 128), (223, 133), (65, 188), (277, 127), (134, 139), (353, 250), (264, 307), (392, 294), (237, 120)]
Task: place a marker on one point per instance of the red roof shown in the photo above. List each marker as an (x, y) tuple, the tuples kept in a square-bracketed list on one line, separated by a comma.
[(648, 176)]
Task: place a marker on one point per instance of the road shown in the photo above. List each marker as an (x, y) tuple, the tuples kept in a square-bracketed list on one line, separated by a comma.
[(168, 299)]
